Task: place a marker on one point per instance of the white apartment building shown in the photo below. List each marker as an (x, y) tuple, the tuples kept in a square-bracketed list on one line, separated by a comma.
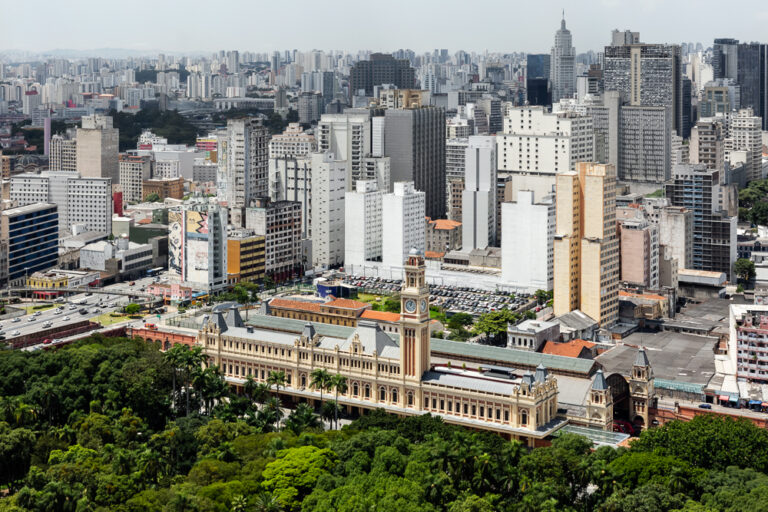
[(479, 195), (404, 228), (328, 188), (527, 242), (81, 201), (62, 154), (133, 171), (97, 148), (293, 142), (290, 179), (745, 134), (348, 136), (363, 224), (378, 169)]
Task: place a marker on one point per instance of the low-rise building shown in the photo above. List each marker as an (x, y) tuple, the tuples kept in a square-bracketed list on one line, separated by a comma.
[(443, 235), (532, 334), (165, 188), (245, 255), (337, 311)]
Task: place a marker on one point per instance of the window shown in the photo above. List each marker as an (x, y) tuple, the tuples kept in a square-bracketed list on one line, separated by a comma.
[(355, 390), (474, 410), (434, 403), (466, 409), (367, 391), (382, 394), (394, 395), (442, 405), (523, 418), (410, 398)]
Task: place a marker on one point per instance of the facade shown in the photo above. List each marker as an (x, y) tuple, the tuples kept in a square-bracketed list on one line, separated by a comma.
[(455, 158), (197, 246), (279, 222), (645, 135), (399, 377), (121, 258), (403, 98), (349, 137), (586, 266), (747, 344), (133, 171), (562, 74), (380, 69), (290, 179), (744, 134), (719, 97), (404, 228), (327, 212), (706, 145), (698, 189), (310, 107), (532, 334), (31, 235), (81, 201), (676, 233), (414, 140), (527, 242), (443, 235), (639, 252), (479, 196), (454, 199), (363, 218), (292, 143), (97, 148), (56, 278), (243, 165), (62, 155), (245, 255), (165, 188)]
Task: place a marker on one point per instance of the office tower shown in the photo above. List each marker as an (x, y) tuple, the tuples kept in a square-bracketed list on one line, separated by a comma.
[(752, 77), (290, 179), (133, 171), (453, 198), (363, 218), (82, 202), (706, 144), (537, 65), (491, 107), (97, 148), (380, 69), (404, 230), (538, 91), (719, 97), (619, 38), (63, 154), (455, 154), (414, 140), (30, 101), (698, 189), (605, 123), (292, 143), (744, 134), (527, 242), (687, 113), (31, 235), (348, 136), (245, 256), (243, 165), (586, 266), (279, 222), (648, 75), (639, 249), (197, 246), (310, 107), (479, 196), (676, 233), (562, 58), (327, 212), (645, 136), (725, 58)]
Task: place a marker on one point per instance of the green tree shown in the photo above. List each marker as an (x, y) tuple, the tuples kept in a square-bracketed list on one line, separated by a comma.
[(494, 324), (296, 471), (459, 320), (339, 384), (744, 268), (301, 419), (758, 214), (277, 379), (152, 198), (320, 379), (16, 447), (132, 308)]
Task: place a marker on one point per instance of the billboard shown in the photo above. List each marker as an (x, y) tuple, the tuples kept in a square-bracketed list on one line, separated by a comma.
[(176, 244), (197, 261)]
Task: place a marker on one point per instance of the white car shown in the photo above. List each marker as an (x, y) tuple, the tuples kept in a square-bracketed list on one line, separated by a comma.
[(37, 313), (66, 319), (15, 333), (17, 319), (31, 319)]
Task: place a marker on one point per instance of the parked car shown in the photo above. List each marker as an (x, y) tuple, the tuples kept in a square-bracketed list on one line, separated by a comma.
[(705, 406)]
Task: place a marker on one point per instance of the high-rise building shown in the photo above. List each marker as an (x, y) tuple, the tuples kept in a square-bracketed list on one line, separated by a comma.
[(698, 189), (97, 148), (752, 77), (63, 154), (404, 228), (310, 107), (648, 75), (243, 165), (719, 97), (562, 60), (381, 69), (31, 235), (293, 143), (290, 179), (639, 249), (245, 256), (279, 222), (676, 233), (479, 196), (645, 136), (414, 140), (327, 212), (197, 246), (744, 134), (348, 136), (706, 144), (455, 154), (527, 242), (30, 101), (81, 201), (725, 58), (586, 251), (363, 224), (133, 171)]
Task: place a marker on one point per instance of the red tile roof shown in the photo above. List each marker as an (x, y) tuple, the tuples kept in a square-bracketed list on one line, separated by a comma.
[(347, 304), (295, 304), (433, 254), (569, 349), (381, 316), (445, 224)]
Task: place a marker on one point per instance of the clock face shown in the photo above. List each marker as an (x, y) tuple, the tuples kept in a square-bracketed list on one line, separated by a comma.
[(410, 305), (423, 305)]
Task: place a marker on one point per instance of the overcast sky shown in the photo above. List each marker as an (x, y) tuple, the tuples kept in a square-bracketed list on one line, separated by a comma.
[(266, 25)]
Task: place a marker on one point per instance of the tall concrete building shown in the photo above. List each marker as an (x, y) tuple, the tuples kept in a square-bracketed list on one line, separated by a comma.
[(744, 134), (706, 144), (699, 189), (134, 170), (349, 137), (645, 136), (63, 154), (404, 228), (639, 250), (479, 196), (279, 222), (676, 233), (243, 165), (719, 97), (197, 246), (293, 142), (328, 188), (527, 242), (562, 75), (97, 148), (363, 224), (290, 179), (414, 140), (31, 233), (586, 251), (380, 69)]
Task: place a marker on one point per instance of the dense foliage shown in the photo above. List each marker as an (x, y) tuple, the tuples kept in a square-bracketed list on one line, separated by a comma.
[(168, 123), (114, 424), (753, 202)]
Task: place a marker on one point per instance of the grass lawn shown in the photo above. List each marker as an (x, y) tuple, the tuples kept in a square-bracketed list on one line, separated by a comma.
[(32, 309), (107, 319), (368, 297)]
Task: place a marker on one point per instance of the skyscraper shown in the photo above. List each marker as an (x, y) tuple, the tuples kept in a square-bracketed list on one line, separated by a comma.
[(381, 69), (404, 228), (479, 196), (97, 148), (362, 224), (561, 73), (586, 248)]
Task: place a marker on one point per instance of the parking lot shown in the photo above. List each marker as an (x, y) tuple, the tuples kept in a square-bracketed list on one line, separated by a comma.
[(450, 298)]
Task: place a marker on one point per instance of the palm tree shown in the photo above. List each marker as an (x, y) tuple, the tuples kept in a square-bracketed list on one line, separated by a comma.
[(273, 409), (328, 411), (302, 418), (277, 379), (265, 502), (320, 379), (239, 503), (339, 384)]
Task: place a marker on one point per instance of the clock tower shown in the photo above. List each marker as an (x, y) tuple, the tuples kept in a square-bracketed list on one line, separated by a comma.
[(414, 319)]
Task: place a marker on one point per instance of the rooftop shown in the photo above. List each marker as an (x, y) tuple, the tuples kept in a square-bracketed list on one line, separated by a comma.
[(571, 348), (381, 316)]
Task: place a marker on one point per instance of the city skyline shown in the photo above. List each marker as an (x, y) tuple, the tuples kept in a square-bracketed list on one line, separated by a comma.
[(184, 31)]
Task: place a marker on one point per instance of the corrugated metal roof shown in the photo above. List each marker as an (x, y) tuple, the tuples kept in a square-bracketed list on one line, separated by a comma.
[(676, 385)]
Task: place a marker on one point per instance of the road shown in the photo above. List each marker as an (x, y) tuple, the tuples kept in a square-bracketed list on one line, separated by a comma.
[(68, 311)]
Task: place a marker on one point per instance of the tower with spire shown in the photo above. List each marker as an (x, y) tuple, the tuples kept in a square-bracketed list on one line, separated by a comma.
[(641, 391), (561, 70), (600, 403)]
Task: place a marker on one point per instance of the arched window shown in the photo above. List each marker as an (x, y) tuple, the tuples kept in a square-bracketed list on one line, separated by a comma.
[(382, 394), (524, 417), (367, 391), (410, 398), (394, 395), (355, 389)]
